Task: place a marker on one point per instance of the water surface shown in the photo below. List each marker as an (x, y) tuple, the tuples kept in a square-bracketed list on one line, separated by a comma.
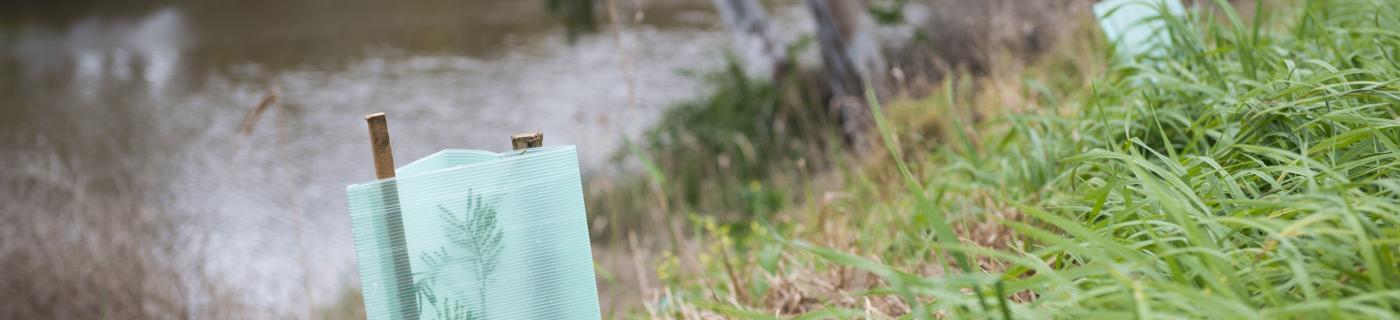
[(150, 96)]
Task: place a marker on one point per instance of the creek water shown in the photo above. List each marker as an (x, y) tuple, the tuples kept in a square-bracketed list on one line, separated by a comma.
[(150, 95)]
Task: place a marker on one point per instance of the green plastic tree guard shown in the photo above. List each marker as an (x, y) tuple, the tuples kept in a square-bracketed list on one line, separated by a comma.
[(488, 236), (1135, 27)]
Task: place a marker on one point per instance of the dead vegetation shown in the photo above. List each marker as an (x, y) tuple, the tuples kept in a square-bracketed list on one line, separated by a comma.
[(972, 61), (79, 246), (981, 37)]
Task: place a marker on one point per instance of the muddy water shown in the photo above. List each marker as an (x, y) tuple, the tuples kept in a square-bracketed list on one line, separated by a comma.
[(150, 96)]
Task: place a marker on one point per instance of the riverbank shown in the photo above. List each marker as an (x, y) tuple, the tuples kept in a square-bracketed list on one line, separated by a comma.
[(1249, 171), (750, 152)]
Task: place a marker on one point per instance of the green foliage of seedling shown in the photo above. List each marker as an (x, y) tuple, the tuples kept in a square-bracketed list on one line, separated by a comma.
[(474, 231)]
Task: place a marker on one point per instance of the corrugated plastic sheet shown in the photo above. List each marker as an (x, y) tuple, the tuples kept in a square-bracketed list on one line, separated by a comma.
[(481, 235), (1135, 27)]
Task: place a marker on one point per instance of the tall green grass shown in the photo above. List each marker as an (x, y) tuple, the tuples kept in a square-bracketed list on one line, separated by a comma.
[(1249, 172)]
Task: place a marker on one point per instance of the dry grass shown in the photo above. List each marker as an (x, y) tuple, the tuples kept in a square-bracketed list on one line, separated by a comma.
[(679, 257), (987, 82), (79, 246)]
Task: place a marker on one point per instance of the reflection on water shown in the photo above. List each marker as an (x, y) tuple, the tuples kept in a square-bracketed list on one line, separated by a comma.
[(153, 95)]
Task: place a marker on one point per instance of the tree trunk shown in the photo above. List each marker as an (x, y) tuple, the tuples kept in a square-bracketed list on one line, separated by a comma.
[(850, 52), (852, 58), (758, 45)]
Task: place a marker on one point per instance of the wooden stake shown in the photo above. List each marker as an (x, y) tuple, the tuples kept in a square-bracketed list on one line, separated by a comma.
[(527, 140), (379, 144), (393, 219)]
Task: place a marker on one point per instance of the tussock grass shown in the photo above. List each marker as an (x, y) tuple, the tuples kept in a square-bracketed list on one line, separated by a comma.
[(1250, 172)]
